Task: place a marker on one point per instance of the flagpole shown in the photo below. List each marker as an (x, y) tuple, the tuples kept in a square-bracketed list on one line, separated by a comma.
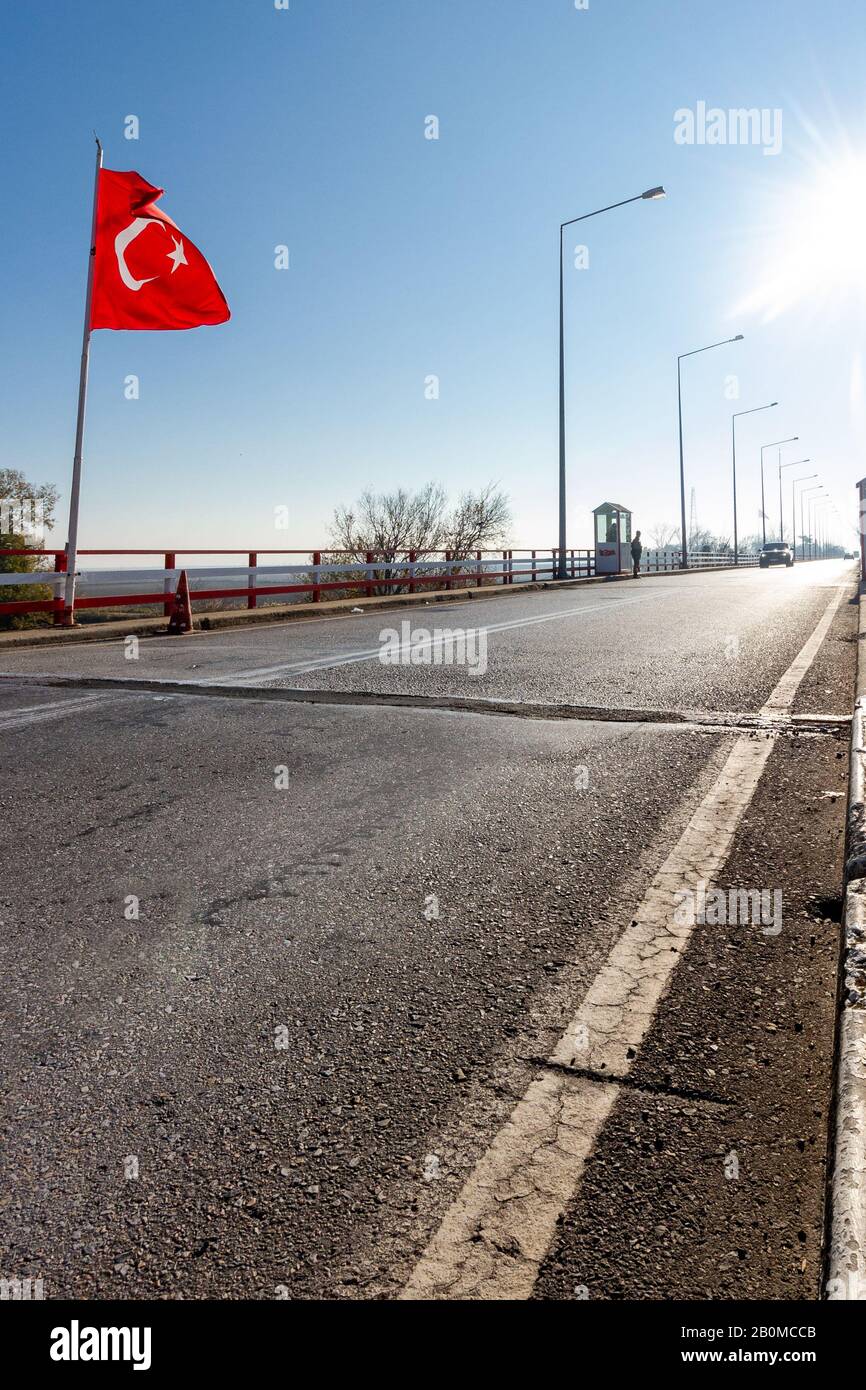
[(72, 542)]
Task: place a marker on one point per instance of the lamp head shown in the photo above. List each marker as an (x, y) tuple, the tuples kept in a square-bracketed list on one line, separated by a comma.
[(654, 193)]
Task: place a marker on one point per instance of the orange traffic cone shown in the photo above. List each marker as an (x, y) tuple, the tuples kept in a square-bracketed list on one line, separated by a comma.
[(181, 614)]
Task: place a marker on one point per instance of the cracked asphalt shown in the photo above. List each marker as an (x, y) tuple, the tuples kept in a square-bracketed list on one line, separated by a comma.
[(277, 973)]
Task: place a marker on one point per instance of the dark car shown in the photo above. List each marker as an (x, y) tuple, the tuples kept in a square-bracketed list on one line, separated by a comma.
[(776, 553)]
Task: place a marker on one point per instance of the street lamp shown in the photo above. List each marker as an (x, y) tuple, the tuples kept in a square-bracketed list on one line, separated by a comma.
[(812, 503), (829, 520), (805, 478), (734, 420), (775, 445), (821, 521), (826, 527), (805, 493), (794, 464), (684, 562), (650, 194)]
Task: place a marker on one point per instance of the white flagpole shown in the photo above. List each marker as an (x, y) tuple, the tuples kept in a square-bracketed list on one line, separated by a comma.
[(72, 542)]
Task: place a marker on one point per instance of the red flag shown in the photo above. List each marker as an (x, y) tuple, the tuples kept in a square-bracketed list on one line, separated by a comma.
[(147, 273)]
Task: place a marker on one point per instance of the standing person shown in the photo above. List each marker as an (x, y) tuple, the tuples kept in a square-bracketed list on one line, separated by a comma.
[(636, 552)]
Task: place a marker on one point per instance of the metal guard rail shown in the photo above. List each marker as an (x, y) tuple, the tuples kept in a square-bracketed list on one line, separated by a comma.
[(319, 574), (413, 572)]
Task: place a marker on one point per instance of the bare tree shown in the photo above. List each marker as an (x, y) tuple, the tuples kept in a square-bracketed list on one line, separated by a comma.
[(663, 534), (391, 524), (703, 542), (479, 520)]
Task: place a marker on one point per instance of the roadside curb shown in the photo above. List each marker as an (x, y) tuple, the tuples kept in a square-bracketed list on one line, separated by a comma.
[(846, 1258), (294, 612)]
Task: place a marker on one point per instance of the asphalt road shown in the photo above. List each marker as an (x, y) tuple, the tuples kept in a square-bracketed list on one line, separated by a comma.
[(278, 972)]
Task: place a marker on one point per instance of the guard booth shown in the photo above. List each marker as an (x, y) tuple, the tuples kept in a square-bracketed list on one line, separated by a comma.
[(612, 530)]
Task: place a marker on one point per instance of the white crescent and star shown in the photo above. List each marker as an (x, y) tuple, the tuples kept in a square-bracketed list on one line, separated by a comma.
[(177, 254), (128, 235)]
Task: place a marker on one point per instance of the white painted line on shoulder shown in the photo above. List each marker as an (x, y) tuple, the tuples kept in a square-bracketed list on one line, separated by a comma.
[(493, 1238)]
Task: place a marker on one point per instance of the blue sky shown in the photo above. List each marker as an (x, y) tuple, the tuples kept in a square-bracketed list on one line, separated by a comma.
[(412, 257)]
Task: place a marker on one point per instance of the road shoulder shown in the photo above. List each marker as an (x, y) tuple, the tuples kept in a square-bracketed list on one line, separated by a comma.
[(846, 1262), (709, 1179)]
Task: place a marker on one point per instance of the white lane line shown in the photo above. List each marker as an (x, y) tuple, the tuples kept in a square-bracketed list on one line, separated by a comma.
[(297, 668), (493, 1238), (42, 714)]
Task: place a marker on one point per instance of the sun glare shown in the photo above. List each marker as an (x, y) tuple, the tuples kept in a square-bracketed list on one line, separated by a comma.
[(817, 255)]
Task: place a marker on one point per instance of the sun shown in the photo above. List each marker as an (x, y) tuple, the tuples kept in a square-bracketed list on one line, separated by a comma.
[(817, 247)]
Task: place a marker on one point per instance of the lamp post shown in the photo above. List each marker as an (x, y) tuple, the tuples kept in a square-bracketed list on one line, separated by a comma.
[(651, 193), (734, 420), (684, 540), (794, 464), (810, 505), (826, 525), (803, 494), (829, 517), (821, 523), (777, 443), (805, 478)]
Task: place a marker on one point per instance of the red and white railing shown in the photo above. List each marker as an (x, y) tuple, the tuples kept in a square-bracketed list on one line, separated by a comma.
[(656, 561), (312, 572)]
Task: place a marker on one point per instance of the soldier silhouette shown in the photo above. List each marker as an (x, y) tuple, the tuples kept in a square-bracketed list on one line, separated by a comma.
[(636, 553)]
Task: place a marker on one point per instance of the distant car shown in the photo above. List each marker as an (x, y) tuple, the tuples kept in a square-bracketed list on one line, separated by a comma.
[(776, 553)]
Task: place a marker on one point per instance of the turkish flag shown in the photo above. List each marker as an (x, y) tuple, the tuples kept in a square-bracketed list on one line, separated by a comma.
[(147, 274)]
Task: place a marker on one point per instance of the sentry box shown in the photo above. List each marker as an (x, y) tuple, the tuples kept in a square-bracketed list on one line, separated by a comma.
[(612, 538)]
